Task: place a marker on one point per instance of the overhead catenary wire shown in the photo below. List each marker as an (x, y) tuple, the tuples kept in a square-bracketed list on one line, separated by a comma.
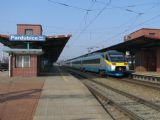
[(132, 5), (97, 1), (91, 22), (67, 5), (126, 30), (126, 8), (131, 26), (84, 19), (97, 15)]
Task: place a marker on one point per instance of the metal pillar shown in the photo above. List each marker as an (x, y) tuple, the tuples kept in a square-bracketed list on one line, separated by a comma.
[(9, 67)]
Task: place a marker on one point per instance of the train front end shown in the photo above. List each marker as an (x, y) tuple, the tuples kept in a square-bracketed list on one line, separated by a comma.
[(116, 64)]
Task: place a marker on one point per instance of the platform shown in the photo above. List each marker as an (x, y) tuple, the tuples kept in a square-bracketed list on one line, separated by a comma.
[(19, 96), (66, 98), (146, 76)]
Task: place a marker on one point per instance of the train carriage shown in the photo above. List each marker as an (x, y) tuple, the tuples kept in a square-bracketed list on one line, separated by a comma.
[(110, 63)]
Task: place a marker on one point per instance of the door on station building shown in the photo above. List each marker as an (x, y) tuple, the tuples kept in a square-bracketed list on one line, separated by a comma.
[(152, 63)]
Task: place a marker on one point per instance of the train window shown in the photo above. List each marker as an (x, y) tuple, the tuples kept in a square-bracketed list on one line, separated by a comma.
[(117, 58), (96, 61), (92, 61), (77, 62)]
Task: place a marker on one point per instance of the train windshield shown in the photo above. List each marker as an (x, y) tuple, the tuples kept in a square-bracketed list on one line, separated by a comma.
[(117, 58)]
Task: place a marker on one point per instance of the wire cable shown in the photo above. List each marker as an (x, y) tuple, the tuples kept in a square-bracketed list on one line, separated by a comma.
[(91, 22), (67, 5), (126, 30)]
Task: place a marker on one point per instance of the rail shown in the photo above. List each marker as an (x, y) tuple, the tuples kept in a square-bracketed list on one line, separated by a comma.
[(138, 101)]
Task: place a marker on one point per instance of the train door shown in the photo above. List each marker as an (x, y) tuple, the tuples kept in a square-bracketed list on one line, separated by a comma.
[(152, 63)]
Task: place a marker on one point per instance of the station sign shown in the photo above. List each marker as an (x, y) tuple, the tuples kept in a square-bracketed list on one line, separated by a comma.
[(27, 38)]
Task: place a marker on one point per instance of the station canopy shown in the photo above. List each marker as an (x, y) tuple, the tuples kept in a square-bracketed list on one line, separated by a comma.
[(51, 47), (134, 45)]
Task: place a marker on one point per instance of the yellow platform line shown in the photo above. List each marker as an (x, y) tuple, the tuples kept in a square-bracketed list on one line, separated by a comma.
[(63, 77)]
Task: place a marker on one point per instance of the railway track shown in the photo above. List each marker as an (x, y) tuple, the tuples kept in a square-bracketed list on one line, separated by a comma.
[(129, 80), (114, 110), (144, 83), (134, 107), (133, 81)]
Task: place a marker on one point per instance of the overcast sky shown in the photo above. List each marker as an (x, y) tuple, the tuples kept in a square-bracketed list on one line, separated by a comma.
[(94, 24)]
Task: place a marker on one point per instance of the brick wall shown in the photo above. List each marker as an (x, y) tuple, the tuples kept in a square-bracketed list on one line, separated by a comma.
[(158, 60), (37, 29), (141, 32), (147, 60), (25, 72), (141, 61)]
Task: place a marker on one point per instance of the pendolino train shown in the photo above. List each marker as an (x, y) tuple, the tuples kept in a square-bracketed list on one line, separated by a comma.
[(111, 63)]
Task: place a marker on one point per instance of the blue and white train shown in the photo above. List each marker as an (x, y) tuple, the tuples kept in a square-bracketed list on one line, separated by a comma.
[(111, 63)]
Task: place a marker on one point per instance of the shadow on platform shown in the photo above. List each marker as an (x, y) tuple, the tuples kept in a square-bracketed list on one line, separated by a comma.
[(24, 94), (53, 71)]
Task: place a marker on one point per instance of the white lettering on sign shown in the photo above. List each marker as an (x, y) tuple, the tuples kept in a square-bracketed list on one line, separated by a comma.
[(27, 38)]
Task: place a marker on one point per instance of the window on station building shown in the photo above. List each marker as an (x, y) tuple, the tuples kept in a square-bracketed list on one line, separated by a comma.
[(28, 32), (22, 61)]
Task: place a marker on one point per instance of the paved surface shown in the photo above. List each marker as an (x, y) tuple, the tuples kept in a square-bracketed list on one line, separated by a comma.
[(66, 98), (19, 97)]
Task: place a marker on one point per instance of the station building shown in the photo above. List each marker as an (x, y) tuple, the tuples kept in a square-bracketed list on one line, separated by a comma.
[(30, 52), (144, 48), (148, 57)]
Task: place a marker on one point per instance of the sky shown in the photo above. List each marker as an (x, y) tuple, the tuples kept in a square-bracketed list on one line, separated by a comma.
[(93, 24)]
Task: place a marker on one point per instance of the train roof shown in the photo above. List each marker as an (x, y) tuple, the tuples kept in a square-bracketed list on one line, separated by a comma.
[(94, 53), (114, 51), (86, 55)]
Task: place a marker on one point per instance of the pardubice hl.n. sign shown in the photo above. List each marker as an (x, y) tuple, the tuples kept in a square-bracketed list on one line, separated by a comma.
[(27, 38)]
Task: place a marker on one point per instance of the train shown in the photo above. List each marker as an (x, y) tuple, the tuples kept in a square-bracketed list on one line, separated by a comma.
[(112, 63)]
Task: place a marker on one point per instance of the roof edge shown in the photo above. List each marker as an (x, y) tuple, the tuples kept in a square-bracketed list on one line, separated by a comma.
[(143, 29), (30, 25), (4, 36), (59, 36)]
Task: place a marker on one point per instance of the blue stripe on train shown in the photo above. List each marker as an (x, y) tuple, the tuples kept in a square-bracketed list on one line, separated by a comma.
[(91, 68), (114, 73)]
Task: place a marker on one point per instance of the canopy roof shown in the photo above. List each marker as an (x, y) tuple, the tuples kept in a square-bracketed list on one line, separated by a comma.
[(52, 46), (134, 45)]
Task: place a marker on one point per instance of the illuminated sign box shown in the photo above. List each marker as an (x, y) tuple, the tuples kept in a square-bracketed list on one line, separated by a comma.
[(27, 38)]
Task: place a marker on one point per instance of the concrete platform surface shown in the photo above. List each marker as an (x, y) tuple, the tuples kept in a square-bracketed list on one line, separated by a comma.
[(66, 98)]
